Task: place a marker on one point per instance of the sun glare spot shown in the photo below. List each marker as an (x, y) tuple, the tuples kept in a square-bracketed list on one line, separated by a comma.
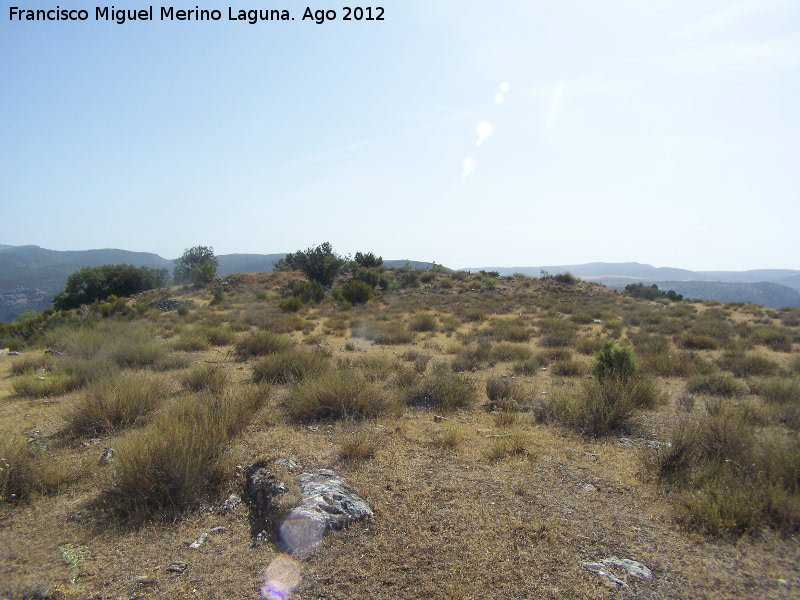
[(498, 97), (484, 130), (469, 165), (281, 578), (504, 87)]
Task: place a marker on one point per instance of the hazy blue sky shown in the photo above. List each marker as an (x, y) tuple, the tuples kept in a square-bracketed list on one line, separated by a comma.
[(658, 131)]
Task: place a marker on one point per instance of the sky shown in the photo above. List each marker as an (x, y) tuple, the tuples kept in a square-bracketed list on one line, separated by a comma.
[(465, 132)]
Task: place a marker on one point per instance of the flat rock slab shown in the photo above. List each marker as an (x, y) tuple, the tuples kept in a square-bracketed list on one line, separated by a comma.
[(325, 505), (609, 568)]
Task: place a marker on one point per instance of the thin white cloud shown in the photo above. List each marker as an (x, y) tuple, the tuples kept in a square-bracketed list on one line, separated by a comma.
[(777, 53), (731, 16)]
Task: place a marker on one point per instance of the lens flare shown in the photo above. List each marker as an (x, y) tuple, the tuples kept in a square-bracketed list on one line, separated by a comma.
[(484, 130), (301, 534), (498, 97), (281, 578), (504, 87)]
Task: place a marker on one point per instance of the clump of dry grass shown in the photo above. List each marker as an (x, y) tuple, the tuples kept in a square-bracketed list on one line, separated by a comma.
[(175, 459), (206, 377), (291, 366), (716, 384), (27, 470), (568, 367), (510, 351), (31, 384), (261, 343), (506, 393), (337, 395), (512, 444), (443, 390), (729, 478), (357, 442), (745, 365), (448, 437), (472, 357), (32, 361), (193, 339), (117, 402), (386, 332), (422, 322), (599, 408)]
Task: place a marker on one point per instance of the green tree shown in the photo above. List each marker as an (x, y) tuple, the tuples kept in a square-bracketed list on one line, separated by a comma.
[(320, 264), (197, 266), (91, 284)]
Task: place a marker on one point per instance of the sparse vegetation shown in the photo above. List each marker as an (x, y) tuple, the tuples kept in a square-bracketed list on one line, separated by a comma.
[(421, 395)]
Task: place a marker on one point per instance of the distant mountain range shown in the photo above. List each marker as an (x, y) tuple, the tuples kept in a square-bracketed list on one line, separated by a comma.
[(770, 287), (30, 275)]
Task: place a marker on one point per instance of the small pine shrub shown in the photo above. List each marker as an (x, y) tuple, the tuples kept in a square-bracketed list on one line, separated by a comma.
[(356, 292), (290, 304), (309, 292), (615, 362)]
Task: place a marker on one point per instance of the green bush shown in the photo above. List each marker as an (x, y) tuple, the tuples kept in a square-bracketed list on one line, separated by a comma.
[(92, 284), (320, 263), (290, 304), (613, 361), (197, 266), (309, 292), (356, 292)]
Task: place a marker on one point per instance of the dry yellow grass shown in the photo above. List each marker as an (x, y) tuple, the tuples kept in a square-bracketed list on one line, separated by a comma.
[(482, 502)]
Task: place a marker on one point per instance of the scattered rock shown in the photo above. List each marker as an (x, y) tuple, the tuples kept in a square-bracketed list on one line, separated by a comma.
[(288, 463), (597, 321), (621, 566), (588, 487), (107, 457), (260, 539), (230, 504), (199, 541), (325, 505), (177, 567), (168, 304), (643, 443), (438, 418), (217, 529), (262, 489)]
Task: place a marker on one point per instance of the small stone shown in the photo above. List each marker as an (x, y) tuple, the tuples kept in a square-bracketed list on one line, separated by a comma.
[(199, 541), (217, 529), (107, 457), (588, 487), (230, 504), (177, 567), (438, 418), (260, 539)]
